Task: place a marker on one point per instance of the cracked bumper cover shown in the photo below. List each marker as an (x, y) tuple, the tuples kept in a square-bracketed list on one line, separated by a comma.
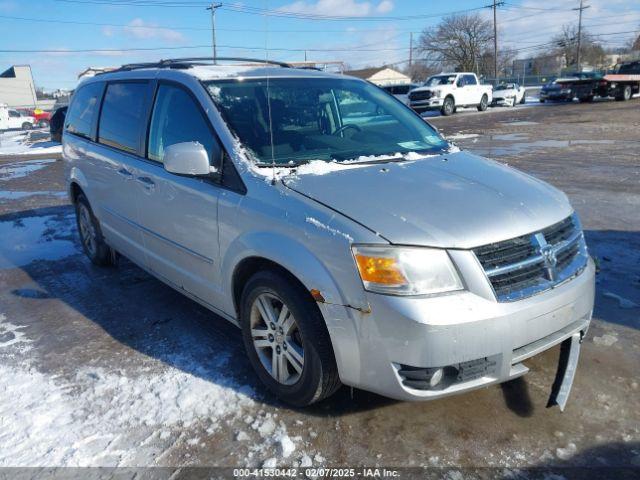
[(461, 329)]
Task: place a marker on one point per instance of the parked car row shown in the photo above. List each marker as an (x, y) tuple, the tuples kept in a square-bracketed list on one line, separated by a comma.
[(447, 92), (585, 86)]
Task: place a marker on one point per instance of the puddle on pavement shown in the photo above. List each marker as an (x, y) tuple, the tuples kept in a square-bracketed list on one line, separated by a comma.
[(15, 170), (519, 122), (521, 146), (11, 195), (48, 237)]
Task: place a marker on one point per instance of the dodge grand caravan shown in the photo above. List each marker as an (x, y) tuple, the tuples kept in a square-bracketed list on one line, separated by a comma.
[(347, 239)]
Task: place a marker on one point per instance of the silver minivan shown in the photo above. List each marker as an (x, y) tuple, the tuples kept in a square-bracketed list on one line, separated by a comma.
[(347, 239)]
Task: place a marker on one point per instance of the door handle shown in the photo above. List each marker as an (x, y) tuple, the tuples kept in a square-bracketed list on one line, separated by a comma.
[(125, 173), (146, 182)]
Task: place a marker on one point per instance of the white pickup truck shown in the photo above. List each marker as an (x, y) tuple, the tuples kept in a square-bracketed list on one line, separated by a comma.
[(11, 119), (447, 91)]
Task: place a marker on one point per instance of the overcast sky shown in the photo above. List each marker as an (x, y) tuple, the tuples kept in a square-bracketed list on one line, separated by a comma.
[(362, 33)]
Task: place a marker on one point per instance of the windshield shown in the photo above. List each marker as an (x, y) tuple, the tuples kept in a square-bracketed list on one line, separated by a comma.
[(505, 86), (326, 119), (440, 80)]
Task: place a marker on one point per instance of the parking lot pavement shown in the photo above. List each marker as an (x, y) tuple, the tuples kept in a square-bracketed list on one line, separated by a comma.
[(111, 367)]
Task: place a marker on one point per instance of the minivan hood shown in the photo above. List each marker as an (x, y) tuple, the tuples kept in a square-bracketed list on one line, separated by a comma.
[(456, 200)]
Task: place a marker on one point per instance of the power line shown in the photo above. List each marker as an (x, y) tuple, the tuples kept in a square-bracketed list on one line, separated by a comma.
[(241, 8)]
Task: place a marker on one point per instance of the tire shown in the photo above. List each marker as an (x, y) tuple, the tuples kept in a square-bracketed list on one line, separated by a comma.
[(448, 107), (484, 102), (523, 100), (26, 126), (625, 95), (587, 99), (300, 339), (43, 124), (91, 237), (542, 100)]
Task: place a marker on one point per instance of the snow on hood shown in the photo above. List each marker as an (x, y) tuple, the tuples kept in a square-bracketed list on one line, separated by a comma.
[(455, 200), (322, 167)]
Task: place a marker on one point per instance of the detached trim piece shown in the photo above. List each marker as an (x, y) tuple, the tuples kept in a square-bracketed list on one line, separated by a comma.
[(567, 365)]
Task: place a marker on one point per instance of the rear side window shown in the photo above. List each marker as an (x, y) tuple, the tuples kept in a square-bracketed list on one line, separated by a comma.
[(470, 80), (176, 119), (84, 104), (123, 115)]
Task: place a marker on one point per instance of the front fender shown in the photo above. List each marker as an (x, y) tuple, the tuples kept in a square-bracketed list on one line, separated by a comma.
[(341, 320), (286, 252)]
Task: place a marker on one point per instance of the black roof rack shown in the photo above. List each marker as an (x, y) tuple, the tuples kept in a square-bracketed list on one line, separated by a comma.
[(191, 61)]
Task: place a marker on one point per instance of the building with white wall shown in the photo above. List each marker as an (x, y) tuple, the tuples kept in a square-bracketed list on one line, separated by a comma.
[(17, 88)]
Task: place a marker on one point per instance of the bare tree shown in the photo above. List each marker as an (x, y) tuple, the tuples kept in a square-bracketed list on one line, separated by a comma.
[(420, 71), (458, 42), (505, 62), (566, 44)]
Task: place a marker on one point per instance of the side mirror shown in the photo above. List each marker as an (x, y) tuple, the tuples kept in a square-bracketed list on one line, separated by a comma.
[(187, 158)]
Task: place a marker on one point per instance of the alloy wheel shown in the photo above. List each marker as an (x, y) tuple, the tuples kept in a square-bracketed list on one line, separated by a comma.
[(87, 230), (277, 339)]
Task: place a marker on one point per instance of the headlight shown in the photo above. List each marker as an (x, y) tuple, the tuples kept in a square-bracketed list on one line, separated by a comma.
[(437, 94), (406, 270)]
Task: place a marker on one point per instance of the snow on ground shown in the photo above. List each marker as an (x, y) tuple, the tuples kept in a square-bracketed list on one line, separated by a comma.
[(18, 143), (48, 421)]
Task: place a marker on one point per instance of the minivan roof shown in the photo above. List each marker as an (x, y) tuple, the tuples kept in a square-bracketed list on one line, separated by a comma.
[(219, 72)]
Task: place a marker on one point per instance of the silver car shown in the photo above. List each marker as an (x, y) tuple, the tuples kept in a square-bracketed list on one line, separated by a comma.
[(345, 237)]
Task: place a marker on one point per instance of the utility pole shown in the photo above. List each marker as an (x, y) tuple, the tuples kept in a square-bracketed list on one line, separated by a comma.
[(580, 9), (213, 7), (495, 42), (410, 49)]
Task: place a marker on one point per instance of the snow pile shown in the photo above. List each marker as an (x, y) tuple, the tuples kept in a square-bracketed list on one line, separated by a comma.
[(90, 421), (11, 334), (462, 136), (17, 144)]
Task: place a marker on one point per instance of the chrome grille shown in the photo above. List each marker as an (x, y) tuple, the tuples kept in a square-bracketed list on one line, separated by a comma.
[(523, 266)]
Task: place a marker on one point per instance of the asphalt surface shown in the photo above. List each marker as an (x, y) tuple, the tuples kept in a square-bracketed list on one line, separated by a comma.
[(78, 328)]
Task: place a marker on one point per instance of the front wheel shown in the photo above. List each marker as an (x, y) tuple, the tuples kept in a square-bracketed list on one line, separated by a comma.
[(484, 102), (448, 107), (26, 126), (286, 339)]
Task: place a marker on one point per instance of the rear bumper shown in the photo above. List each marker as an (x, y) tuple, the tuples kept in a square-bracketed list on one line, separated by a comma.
[(484, 340)]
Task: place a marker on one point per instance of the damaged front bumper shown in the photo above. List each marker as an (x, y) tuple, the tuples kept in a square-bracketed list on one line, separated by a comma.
[(427, 348)]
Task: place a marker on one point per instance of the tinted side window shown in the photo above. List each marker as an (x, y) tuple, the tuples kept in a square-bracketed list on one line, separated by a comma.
[(123, 115), (470, 80), (402, 89), (79, 118), (176, 118)]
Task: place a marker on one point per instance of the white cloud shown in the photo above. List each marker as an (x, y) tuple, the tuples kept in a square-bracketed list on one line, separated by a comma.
[(385, 6), (527, 27), (345, 8), (140, 29)]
